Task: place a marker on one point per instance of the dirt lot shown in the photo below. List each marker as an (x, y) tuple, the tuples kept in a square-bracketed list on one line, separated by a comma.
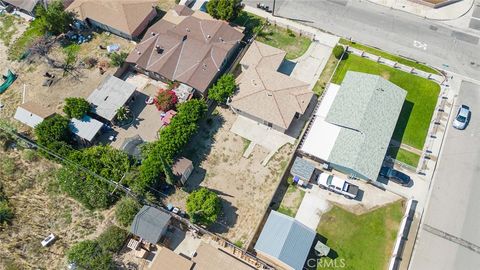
[(40, 210), (244, 184)]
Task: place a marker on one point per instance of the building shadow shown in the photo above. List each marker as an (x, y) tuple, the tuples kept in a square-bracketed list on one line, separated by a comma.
[(360, 195), (402, 122), (314, 260)]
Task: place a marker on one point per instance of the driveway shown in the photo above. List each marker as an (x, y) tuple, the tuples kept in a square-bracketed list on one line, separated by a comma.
[(313, 205), (309, 66)]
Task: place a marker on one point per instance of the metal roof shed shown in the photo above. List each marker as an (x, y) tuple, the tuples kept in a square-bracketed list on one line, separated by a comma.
[(285, 239), (86, 128), (302, 169), (32, 114), (110, 95), (150, 224)]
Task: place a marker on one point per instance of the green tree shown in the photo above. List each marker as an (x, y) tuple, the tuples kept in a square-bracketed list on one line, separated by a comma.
[(54, 18), (223, 88), (76, 107), (112, 239), (226, 10), (338, 51), (165, 100), (122, 113), (53, 129), (203, 206), (89, 254), (117, 59), (125, 211)]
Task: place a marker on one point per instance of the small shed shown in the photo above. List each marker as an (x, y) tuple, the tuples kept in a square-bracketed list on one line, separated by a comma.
[(112, 94), (302, 169), (32, 114), (150, 224), (182, 169), (86, 128)]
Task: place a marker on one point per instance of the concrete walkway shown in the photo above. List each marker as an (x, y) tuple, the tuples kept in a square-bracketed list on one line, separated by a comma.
[(449, 12), (311, 209), (310, 65), (390, 63)]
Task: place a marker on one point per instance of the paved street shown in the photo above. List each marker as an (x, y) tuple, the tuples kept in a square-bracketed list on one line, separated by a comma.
[(392, 30), (452, 217)]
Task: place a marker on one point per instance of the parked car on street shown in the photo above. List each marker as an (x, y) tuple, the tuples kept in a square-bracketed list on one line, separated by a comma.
[(395, 176), (462, 117), (337, 185)]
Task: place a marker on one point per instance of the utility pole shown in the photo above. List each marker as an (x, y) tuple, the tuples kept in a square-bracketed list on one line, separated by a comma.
[(273, 8)]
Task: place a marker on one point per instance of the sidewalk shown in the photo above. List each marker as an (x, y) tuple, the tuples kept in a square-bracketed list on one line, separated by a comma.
[(446, 13), (322, 37)]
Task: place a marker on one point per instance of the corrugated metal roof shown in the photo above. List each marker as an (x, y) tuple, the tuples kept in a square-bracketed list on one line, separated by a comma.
[(85, 128), (32, 114), (149, 223), (110, 95), (367, 108), (302, 168), (286, 239)]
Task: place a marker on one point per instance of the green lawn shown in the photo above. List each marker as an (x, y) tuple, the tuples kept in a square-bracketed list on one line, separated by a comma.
[(287, 40), (404, 156), (386, 55), (362, 242), (417, 111)]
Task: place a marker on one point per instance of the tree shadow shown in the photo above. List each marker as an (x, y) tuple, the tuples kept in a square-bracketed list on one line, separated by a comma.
[(402, 122), (316, 261), (227, 218)]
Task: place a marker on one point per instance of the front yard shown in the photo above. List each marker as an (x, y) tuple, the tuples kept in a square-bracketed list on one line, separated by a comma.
[(422, 94), (360, 241)]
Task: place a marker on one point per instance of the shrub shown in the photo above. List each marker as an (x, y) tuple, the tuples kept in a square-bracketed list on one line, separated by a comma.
[(54, 18), (223, 88), (117, 59), (6, 213), (338, 51), (126, 210), (30, 155), (203, 206), (112, 239), (165, 100), (53, 129), (89, 254), (76, 107)]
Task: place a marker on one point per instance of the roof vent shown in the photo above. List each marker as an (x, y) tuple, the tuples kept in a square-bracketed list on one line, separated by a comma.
[(159, 49), (105, 99), (153, 33), (208, 36), (185, 37), (188, 30), (380, 89), (221, 39), (254, 83), (204, 66), (269, 94)]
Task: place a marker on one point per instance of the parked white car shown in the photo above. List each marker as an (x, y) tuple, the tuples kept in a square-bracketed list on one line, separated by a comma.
[(461, 119), (337, 185)]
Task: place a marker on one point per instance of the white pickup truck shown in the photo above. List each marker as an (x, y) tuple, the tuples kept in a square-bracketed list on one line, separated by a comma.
[(337, 185)]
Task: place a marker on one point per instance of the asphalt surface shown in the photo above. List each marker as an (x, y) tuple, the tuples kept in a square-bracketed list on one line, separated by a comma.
[(450, 236), (392, 30)]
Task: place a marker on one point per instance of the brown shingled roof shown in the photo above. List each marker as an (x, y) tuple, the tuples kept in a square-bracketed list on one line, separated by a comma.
[(190, 50), (123, 15), (266, 93)]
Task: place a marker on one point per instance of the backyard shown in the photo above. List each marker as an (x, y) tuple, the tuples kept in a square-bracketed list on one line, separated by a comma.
[(244, 184), (360, 242), (291, 201), (422, 94)]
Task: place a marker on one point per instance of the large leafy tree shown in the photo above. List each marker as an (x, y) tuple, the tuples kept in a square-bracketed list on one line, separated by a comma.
[(54, 18), (112, 239), (89, 254), (125, 211), (91, 188), (158, 156), (203, 206), (53, 129), (76, 107), (226, 10), (223, 88)]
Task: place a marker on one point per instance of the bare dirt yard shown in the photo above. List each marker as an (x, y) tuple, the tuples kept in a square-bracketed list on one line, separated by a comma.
[(40, 209), (244, 185)]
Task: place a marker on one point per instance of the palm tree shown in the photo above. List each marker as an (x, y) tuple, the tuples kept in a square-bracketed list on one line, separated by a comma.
[(122, 113)]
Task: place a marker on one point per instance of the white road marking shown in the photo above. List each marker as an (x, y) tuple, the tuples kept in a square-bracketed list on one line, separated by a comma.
[(420, 45)]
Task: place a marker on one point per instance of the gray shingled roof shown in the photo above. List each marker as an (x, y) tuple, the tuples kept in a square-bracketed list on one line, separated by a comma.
[(286, 239), (149, 223), (368, 107), (302, 168), (110, 95)]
